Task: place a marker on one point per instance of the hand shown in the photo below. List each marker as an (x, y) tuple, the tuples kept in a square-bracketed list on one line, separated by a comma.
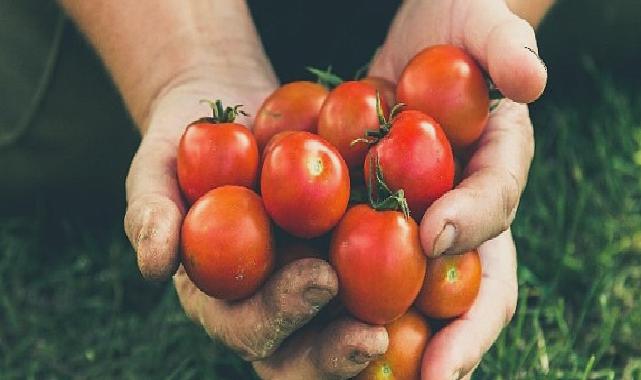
[(254, 328), (484, 204)]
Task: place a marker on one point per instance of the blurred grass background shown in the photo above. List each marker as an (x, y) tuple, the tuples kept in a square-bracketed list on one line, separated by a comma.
[(72, 304)]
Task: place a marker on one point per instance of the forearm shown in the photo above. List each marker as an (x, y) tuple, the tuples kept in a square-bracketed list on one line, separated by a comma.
[(531, 10), (150, 45)]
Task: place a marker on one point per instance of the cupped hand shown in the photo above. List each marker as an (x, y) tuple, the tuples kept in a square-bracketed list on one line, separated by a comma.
[(484, 204), (256, 327)]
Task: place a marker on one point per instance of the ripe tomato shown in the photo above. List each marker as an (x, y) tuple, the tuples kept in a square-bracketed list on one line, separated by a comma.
[(292, 107), (347, 114), (215, 151), (414, 156), (379, 262), (451, 285), (273, 142), (305, 184), (226, 243), (446, 83), (408, 337), (384, 87)]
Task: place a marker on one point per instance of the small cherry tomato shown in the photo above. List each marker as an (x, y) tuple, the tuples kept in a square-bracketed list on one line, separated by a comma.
[(290, 248), (446, 83), (226, 243), (379, 262), (408, 337), (451, 285), (347, 114), (292, 107), (304, 184), (414, 156), (215, 151)]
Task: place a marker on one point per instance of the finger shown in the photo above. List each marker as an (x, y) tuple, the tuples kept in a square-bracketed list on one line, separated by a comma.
[(347, 346), (484, 203), (505, 45), (255, 327), (456, 350), (154, 208), (340, 351)]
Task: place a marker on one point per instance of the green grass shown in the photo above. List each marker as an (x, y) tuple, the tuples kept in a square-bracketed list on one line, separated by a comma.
[(72, 304)]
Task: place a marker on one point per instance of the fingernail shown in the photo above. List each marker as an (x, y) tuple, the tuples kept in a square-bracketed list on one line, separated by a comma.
[(456, 375), (317, 296), (538, 57), (444, 240), (360, 357)]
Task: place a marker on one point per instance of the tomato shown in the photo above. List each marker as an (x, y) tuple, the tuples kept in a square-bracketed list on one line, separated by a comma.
[(446, 83), (304, 184), (226, 243), (451, 285), (273, 142), (215, 151), (347, 114), (292, 107), (379, 262), (408, 337), (384, 87), (414, 156)]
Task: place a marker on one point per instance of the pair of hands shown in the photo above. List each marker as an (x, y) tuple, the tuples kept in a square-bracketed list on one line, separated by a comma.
[(481, 207)]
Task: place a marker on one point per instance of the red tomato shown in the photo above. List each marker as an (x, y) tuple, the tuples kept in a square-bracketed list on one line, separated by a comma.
[(451, 285), (408, 337), (347, 114), (446, 83), (292, 107), (384, 87), (305, 184), (273, 142), (414, 156), (213, 152), (379, 262), (226, 243)]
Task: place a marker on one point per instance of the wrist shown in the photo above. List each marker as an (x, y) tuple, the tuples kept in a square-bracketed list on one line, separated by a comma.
[(217, 69)]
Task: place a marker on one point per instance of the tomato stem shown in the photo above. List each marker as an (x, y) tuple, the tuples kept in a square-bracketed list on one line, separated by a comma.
[(221, 114), (381, 197), (385, 125)]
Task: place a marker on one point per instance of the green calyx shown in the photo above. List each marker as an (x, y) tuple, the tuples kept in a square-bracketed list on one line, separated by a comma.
[(373, 136), (326, 77), (222, 114), (381, 197)]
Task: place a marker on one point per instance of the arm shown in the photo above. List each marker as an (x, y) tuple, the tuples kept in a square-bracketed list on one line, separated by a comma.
[(149, 47)]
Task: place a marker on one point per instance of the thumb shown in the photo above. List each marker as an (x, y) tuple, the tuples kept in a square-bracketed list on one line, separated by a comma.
[(506, 46)]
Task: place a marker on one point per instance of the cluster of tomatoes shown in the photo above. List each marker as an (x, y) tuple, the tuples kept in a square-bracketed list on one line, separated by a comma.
[(345, 166)]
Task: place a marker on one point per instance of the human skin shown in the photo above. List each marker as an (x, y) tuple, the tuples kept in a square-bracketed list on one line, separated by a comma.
[(484, 204), (213, 52)]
